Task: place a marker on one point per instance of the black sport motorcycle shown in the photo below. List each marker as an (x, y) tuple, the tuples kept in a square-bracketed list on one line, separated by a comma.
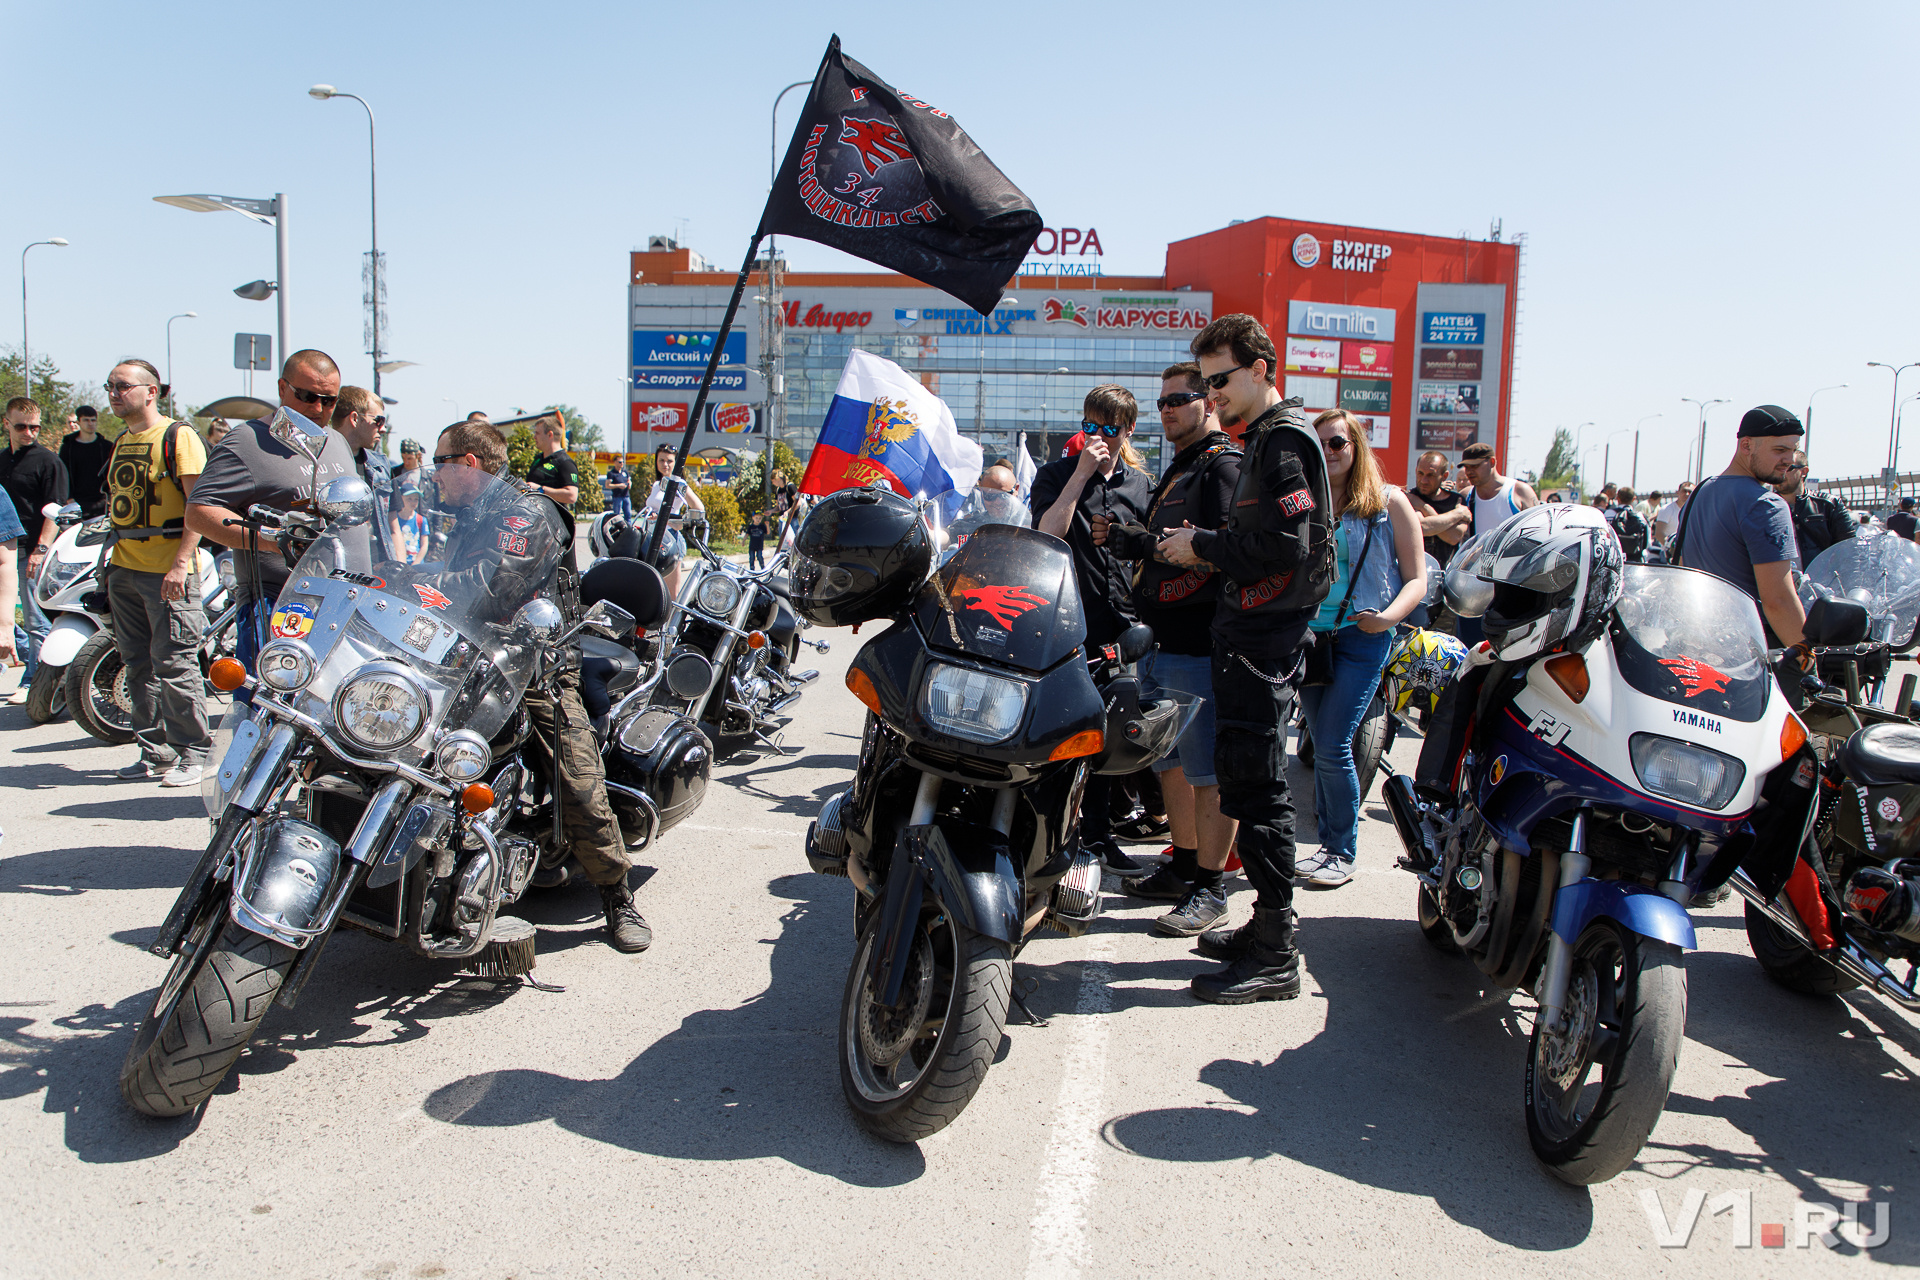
[(987, 713)]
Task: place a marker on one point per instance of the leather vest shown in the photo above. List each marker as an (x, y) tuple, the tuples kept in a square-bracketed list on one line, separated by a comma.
[(1297, 591)]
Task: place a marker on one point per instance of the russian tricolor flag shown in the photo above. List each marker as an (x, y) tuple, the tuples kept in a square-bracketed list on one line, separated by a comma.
[(883, 425)]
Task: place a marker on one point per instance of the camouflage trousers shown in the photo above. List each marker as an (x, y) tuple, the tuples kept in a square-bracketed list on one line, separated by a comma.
[(593, 833)]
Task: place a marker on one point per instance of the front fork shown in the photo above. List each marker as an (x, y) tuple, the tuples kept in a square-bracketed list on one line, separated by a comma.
[(1574, 866)]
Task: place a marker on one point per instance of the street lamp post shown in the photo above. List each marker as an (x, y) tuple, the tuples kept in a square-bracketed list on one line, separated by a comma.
[(1698, 471), (776, 363), (1807, 439), (173, 402), (1606, 456), (322, 92), (26, 354), (1893, 421), (273, 212), (1636, 445), (1579, 464)]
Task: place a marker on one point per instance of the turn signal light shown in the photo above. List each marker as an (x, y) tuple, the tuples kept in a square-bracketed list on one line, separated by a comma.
[(1793, 736), (1090, 743), (756, 639), (1569, 671), (477, 798), (862, 686), (226, 674)]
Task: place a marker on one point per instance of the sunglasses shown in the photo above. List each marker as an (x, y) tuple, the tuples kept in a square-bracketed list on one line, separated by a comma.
[(121, 388), (314, 397), (447, 459), (1334, 444), (1101, 429), (1179, 399), (380, 421), (24, 426), (1218, 381)]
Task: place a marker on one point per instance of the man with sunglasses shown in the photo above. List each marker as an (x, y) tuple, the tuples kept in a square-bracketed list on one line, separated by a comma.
[(1276, 562), (33, 477), (360, 417), (1819, 521), (1103, 479), (249, 468)]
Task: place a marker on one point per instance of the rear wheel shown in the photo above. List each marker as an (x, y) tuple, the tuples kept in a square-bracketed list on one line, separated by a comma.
[(97, 692), (909, 1069), (1790, 964), (1596, 1089), (47, 695), (1432, 925), (1369, 742)]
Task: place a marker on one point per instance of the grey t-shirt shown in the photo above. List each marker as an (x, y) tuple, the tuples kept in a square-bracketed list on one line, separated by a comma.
[(1733, 523), (249, 466)]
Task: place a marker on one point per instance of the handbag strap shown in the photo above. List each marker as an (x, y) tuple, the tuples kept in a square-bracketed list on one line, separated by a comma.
[(1353, 578)]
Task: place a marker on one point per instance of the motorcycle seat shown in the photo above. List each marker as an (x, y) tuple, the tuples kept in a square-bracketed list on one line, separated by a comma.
[(620, 664), (1881, 754)]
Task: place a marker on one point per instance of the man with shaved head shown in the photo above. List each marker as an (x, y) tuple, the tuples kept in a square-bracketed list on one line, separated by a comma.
[(250, 467), (999, 476)]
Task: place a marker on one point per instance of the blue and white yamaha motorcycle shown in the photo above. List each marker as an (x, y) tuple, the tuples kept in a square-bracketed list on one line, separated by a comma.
[(1629, 751)]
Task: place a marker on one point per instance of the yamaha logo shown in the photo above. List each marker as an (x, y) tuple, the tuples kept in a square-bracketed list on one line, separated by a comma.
[(1306, 250)]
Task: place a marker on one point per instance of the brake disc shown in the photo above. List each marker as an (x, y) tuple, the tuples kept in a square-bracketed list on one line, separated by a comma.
[(886, 1031)]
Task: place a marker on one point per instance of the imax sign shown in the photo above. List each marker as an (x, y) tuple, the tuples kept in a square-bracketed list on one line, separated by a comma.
[(1321, 320)]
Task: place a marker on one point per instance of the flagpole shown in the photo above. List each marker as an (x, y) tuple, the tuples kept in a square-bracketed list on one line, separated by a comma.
[(668, 494)]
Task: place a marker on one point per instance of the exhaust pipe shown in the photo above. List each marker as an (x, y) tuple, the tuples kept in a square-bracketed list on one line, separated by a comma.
[(1848, 958), (1414, 833)]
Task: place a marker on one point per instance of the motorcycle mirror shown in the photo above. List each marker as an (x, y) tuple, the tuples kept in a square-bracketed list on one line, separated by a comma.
[(1136, 642), (348, 501), (540, 617), (298, 432), (608, 617)]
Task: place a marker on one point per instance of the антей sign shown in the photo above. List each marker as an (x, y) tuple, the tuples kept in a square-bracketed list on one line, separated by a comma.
[(1454, 328)]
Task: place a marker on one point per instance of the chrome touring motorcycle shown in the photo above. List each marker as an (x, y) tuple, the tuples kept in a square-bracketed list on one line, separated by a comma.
[(385, 782), (986, 713), (1629, 748)]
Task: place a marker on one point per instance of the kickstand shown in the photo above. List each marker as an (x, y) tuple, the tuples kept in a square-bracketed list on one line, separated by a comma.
[(1031, 984)]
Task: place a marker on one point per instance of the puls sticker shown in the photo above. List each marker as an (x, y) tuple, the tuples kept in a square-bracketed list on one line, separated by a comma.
[(1889, 809), (291, 621)]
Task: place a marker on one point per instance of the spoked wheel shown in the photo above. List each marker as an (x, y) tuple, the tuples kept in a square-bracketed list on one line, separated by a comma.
[(1596, 1089), (910, 1068), (97, 692)]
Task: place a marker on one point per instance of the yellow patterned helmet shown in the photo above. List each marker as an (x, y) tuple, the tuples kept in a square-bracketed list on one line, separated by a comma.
[(1421, 665)]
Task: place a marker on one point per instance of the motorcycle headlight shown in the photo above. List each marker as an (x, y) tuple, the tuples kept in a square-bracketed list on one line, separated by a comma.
[(463, 756), (717, 594), (285, 665), (974, 705), (380, 709), (1682, 771), (57, 575)]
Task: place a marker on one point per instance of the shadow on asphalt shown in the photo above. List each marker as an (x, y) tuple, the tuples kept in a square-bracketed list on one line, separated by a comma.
[(63, 872), (1413, 1087), (743, 1083)]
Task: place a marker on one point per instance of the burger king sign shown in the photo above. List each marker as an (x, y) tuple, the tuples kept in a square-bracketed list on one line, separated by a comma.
[(1306, 250)]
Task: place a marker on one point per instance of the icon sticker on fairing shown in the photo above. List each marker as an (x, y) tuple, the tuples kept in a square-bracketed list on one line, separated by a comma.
[(1498, 771), (291, 621), (1889, 809), (429, 597)]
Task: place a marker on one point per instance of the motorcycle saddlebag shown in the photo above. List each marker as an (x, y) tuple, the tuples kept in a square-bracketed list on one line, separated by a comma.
[(664, 755)]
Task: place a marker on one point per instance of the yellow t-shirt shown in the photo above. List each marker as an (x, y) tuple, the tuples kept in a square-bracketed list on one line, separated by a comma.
[(141, 500)]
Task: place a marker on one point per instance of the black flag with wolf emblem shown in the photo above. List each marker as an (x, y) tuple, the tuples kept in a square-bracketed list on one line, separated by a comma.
[(884, 176)]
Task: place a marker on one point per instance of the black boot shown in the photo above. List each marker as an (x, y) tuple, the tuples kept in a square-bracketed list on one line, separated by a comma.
[(626, 928), (1270, 969), (1225, 944)]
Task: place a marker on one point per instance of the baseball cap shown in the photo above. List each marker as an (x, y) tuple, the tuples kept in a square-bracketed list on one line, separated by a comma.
[(1770, 420), (1075, 443), (409, 490)]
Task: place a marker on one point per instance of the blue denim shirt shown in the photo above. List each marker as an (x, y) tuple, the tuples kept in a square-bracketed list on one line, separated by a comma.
[(1379, 581)]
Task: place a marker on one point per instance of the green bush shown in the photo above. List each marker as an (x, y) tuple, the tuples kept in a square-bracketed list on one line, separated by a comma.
[(749, 483), (723, 513)]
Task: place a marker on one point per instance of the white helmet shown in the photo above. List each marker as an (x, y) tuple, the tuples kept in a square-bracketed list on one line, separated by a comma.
[(1556, 574)]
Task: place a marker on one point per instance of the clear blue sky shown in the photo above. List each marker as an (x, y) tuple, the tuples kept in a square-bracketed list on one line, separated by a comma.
[(1719, 197)]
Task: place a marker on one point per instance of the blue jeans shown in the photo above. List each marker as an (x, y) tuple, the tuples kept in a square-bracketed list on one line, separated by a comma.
[(1182, 673), (1333, 715), (39, 626), (621, 505)]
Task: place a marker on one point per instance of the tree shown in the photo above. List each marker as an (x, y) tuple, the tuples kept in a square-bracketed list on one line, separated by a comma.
[(749, 483), (1559, 470), (56, 397), (583, 434)]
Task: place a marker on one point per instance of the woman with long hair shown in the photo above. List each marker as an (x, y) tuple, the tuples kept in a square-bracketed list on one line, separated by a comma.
[(1380, 576)]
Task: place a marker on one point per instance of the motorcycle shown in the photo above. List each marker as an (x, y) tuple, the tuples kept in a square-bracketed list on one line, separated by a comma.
[(383, 782), (1601, 789), (987, 712), (79, 666)]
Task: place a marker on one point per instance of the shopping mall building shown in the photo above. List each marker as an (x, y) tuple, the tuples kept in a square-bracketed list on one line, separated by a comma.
[(1413, 333)]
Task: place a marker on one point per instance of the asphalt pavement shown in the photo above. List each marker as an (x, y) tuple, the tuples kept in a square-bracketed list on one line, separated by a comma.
[(679, 1112)]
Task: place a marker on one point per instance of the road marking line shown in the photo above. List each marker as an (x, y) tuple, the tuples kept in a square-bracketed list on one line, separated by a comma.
[(1057, 1247)]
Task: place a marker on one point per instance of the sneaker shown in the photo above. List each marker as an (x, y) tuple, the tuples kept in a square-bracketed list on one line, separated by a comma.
[(145, 768), (1141, 827), (1306, 867), (1119, 863), (626, 928), (1162, 884), (18, 698), (1711, 898), (1199, 911), (1332, 872), (184, 774), (1225, 944)]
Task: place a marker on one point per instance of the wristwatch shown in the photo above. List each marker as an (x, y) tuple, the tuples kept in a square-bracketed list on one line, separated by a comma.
[(42, 547)]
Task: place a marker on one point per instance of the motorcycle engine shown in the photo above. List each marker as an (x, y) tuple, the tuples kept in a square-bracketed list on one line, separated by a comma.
[(1886, 901)]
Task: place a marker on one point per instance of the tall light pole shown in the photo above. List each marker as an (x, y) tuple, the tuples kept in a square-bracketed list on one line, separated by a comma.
[(1606, 456), (272, 212), (173, 404), (1579, 464), (1698, 471), (1636, 445), (376, 297), (26, 355), (1807, 439), (1893, 421), (776, 365)]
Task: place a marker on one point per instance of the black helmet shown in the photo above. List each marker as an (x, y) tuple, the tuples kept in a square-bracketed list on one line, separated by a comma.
[(861, 555)]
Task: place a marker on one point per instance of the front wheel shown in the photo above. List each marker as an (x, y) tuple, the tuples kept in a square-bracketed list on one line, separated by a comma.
[(47, 695), (1790, 964), (220, 987), (1369, 742), (909, 1069), (1595, 1091), (97, 692)]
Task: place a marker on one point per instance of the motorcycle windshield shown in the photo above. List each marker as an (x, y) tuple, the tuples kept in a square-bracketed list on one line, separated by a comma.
[(1009, 596), (984, 507), (1692, 639), (1880, 571), (454, 624)]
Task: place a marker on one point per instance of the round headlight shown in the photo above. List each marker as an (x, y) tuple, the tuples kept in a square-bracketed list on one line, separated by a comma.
[(717, 594), (463, 756), (380, 709), (285, 665)]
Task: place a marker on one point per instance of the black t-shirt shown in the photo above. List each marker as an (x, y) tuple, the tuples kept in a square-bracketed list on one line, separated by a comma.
[(1902, 523), (617, 482), (86, 463), (553, 471), (1442, 502), (1105, 578), (33, 477)]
